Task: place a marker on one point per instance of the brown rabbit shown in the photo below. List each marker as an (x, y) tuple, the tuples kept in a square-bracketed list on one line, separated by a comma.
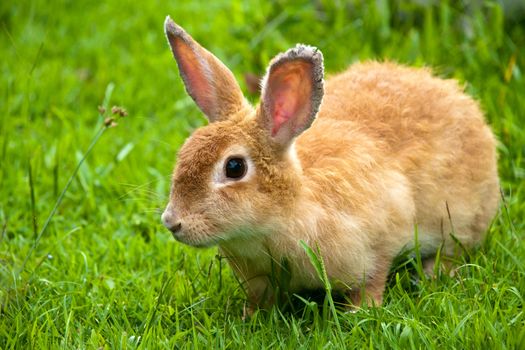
[(390, 149)]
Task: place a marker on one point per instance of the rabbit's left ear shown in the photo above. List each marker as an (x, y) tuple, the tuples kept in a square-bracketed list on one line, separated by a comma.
[(292, 91), (211, 85)]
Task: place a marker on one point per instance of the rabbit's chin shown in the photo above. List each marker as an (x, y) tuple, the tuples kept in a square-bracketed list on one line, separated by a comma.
[(201, 242)]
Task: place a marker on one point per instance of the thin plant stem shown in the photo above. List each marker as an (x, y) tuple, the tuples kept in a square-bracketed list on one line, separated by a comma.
[(62, 194)]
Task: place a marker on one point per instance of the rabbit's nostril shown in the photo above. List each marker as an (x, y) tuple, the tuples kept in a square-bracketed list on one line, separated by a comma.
[(170, 220), (175, 228)]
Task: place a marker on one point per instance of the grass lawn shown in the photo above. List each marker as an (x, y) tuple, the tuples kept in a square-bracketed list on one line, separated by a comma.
[(105, 274)]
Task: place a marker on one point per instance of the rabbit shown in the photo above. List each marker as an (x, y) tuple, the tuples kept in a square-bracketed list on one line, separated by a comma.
[(352, 166)]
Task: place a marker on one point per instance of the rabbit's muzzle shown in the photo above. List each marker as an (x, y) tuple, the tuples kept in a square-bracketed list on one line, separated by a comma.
[(171, 221)]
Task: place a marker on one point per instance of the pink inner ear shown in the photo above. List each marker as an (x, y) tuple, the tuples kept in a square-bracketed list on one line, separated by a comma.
[(197, 84), (283, 111), (290, 96)]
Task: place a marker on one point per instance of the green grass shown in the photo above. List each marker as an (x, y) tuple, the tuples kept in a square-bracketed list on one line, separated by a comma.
[(105, 274)]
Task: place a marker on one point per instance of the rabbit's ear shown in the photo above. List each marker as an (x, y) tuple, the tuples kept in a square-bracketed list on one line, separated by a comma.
[(292, 91), (211, 85)]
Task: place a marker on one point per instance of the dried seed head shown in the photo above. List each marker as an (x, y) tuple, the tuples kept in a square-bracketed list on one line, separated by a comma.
[(120, 111), (101, 109), (108, 121)]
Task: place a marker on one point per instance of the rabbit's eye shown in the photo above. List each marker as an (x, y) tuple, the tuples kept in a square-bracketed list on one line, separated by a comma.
[(235, 168)]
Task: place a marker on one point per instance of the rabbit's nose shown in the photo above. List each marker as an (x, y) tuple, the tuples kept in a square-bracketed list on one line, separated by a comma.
[(170, 220)]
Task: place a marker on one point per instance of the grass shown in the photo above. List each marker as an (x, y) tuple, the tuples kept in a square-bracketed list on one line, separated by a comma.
[(105, 274)]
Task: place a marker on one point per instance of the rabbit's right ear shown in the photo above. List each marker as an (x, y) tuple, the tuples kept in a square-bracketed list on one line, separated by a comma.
[(211, 85), (292, 91)]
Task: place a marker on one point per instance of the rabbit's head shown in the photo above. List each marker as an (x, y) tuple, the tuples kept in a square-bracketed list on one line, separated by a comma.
[(239, 175)]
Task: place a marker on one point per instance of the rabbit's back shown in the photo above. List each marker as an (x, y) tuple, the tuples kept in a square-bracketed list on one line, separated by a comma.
[(387, 116)]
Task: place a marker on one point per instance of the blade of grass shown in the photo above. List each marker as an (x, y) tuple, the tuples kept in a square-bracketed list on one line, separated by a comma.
[(318, 263), (32, 196)]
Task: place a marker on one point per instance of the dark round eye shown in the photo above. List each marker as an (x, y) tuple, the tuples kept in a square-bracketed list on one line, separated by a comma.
[(235, 168)]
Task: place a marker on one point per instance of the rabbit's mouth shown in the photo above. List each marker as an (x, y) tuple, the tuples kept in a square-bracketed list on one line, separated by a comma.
[(193, 229), (197, 233)]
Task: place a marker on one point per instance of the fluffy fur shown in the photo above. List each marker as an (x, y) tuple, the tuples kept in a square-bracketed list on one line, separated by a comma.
[(391, 147)]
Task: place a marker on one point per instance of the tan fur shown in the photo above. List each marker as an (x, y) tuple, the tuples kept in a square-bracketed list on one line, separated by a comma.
[(391, 148)]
